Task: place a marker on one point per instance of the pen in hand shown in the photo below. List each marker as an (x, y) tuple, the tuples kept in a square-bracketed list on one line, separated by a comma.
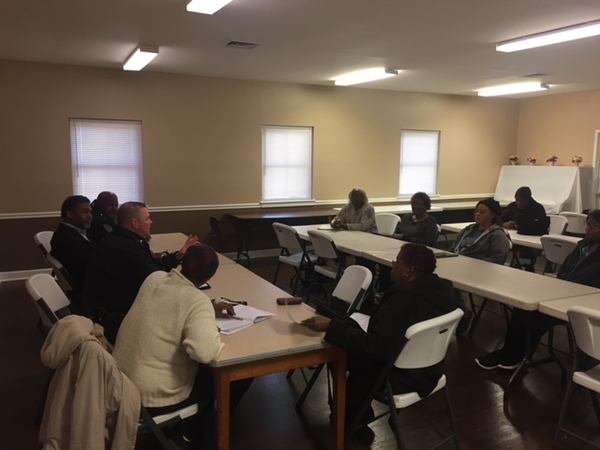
[(230, 316)]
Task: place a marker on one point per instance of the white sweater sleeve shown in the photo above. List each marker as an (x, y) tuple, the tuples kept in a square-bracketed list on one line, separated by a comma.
[(201, 337)]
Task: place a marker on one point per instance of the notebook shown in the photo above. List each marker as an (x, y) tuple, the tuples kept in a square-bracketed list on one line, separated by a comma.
[(245, 316)]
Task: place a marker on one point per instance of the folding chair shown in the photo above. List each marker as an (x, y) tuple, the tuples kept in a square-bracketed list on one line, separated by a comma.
[(585, 323), (157, 424), (63, 277), (42, 240), (330, 262), (50, 301), (576, 226), (427, 343), (386, 223), (558, 224), (556, 249), (293, 252), (351, 290)]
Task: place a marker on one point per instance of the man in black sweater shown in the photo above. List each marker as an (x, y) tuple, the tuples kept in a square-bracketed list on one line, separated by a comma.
[(527, 217)]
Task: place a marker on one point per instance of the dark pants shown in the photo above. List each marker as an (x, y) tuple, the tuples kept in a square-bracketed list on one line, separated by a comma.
[(525, 325), (201, 427)]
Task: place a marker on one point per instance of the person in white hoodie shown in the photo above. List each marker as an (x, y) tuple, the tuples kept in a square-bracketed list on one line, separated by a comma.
[(167, 337)]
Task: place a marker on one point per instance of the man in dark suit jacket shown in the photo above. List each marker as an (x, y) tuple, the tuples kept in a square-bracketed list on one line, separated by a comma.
[(120, 264), (70, 244)]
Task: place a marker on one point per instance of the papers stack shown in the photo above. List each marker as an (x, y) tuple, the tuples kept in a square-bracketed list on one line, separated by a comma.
[(244, 317)]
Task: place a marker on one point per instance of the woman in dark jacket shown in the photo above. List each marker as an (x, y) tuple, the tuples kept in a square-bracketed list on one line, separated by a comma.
[(581, 266), (417, 295)]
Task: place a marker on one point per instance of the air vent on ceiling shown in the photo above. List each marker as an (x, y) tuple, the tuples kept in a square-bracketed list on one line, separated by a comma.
[(242, 45), (535, 75)]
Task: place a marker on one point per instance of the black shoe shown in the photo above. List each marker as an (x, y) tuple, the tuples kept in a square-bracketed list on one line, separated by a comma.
[(363, 435), (465, 323), (496, 361)]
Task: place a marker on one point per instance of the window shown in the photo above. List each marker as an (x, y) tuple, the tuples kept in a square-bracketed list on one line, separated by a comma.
[(107, 156), (287, 163), (419, 152)]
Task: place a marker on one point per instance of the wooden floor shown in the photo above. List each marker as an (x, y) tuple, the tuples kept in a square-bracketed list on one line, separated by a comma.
[(266, 418)]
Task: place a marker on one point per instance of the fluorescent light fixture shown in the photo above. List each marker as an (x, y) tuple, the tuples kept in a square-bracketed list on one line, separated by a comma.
[(517, 88), (363, 76), (206, 6), (140, 57), (572, 33)]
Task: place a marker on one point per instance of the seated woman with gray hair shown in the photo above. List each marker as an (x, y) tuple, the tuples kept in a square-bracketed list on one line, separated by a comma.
[(358, 214)]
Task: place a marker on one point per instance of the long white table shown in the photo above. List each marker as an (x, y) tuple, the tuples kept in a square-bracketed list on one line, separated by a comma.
[(518, 288), (353, 242), (517, 239), (559, 308), (271, 346)]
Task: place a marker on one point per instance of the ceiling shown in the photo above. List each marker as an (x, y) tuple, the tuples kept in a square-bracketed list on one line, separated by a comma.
[(440, 46)]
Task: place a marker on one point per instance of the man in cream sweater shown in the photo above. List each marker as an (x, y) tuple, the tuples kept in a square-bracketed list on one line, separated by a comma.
[(169, 334)]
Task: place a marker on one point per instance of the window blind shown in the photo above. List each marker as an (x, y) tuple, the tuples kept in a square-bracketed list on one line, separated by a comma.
[(107, 156), (287, 163), (419, 152)]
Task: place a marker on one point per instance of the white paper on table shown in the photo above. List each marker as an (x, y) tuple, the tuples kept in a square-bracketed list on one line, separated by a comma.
[(245, 316)]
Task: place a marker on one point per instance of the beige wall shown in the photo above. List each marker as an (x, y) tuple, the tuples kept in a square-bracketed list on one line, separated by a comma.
[(563, 125), (202, 136)]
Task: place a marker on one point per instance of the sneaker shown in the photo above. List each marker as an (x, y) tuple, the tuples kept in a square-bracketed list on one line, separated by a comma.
[(490, 361), (495, 361), (508, 366), (465, 324)]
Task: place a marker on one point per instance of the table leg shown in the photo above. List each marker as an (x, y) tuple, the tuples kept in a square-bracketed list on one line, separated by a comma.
[(338, 372), (222, 381)]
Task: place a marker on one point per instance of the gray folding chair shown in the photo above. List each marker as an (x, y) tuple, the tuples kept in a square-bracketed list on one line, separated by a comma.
[(293, 253)]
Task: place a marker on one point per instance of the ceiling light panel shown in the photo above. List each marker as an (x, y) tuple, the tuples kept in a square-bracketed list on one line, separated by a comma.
[(572, 33), (364, 76), (516, 88), (140, 57), (206, 6)]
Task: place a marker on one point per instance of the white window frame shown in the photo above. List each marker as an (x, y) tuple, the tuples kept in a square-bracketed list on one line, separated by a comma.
[(419, 162), (106, 155), (287, 164)]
